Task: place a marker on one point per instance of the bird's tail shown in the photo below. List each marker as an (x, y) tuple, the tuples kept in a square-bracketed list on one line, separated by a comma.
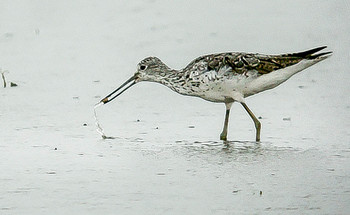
[(311, 54), (275, 78)]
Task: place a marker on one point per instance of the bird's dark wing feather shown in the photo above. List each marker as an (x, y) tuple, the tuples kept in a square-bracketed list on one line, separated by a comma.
[(242, 62)]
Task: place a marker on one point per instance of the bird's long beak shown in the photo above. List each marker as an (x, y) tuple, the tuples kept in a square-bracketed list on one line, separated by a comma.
[(127, 84)]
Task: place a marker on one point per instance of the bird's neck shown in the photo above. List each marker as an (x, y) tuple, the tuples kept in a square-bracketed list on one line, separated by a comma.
[(173, 79)]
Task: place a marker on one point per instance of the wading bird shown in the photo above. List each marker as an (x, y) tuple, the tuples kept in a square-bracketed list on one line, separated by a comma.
[(225, 77)]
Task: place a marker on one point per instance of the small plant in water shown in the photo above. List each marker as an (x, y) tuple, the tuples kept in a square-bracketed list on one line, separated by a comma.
[(3, 76), (4, 80)]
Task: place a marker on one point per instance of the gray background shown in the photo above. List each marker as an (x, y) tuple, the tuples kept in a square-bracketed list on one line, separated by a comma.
[(66, 55)]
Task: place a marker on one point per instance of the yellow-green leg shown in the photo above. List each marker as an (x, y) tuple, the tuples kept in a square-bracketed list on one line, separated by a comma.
[(256, 122), (223, 135)]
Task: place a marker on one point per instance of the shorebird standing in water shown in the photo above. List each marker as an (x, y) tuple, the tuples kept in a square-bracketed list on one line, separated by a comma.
[(225, 77)]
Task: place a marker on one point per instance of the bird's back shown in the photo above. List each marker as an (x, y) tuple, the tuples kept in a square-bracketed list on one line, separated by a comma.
[(214, 76), (240, 62)]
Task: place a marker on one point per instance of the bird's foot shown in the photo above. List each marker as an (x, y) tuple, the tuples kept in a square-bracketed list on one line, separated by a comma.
[(223, 136)]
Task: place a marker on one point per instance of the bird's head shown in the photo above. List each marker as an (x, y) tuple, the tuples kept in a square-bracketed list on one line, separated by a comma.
[(149, 69)]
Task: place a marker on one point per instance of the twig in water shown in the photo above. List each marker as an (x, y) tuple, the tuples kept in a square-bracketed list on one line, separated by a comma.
[(3, 77)]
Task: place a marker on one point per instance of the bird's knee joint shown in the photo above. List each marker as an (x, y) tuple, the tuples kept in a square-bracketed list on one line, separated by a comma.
[(257, 125)]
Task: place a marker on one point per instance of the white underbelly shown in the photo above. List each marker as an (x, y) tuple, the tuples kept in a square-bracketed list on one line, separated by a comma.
[(220, 90)]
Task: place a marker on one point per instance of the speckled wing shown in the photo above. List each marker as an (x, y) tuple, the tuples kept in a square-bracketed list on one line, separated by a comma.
[(243, 62), (269, 63)]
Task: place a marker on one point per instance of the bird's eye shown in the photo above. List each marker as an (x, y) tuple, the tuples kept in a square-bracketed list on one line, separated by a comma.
[(142, 67)]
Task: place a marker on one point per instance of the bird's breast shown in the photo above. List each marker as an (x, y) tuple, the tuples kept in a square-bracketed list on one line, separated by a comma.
[(215, 86)]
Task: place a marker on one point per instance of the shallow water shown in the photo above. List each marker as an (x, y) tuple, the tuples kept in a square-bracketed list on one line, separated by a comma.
[(166, 157), (131, 176)]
